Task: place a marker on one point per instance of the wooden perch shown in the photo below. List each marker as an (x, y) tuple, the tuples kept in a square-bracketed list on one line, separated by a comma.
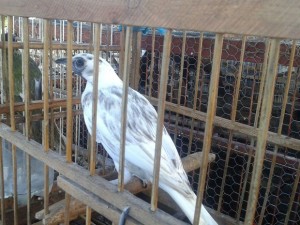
[(190, 163), (135, 186)]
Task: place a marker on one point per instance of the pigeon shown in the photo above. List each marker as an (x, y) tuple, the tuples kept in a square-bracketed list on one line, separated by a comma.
[(140, 133)]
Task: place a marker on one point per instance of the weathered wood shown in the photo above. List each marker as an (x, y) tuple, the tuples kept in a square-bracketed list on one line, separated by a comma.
[(274, 18), (160, 117), (34, 105), (250, 131), (124, 104), (93, 201), (230, 51), (76, 208), (211, 113), (264, 123), (190, 162), (274, 138), (96, 184), (61, 46)]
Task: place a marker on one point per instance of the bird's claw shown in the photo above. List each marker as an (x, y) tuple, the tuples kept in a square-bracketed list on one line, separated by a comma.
[(144, 183)]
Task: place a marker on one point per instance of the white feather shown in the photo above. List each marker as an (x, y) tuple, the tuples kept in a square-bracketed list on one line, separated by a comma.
[(140, 136)]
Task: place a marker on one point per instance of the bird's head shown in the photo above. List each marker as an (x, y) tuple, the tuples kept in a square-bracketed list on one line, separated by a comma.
[(83, 65)]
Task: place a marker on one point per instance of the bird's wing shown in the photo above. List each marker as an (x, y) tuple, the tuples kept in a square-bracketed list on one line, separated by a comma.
[(140, 134)]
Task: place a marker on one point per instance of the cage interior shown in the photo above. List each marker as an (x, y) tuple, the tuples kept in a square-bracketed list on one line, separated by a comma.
[(243, 76)]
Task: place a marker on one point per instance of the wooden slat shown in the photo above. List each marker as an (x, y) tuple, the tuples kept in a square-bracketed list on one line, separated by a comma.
[(19, 107), (126, 76), (229, 51), (160, 118), (92, 201), (190, 163), (275, 18), (211, 112), (273, 138), (228, 124), (95, 92), (140, 210), (60, 46), (264, 123), (69, 92), (2, 191)]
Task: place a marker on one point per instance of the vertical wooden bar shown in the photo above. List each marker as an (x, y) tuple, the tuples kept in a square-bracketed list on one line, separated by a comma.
[(69, 92), (136, 58), (199, 61), (152, 62), (46, 85), (12, 115), (94, 112), (69, 109), (262, 85), (88, 215), (160, 119), (67, 208), (282, 114), (211, 111), (4, 71), (46, 39), (46, 189), (264, 122), (181, 70), (95, 99), (4, 82), (25, 61), (180, 84), (122, 53), (261, 88), (233, 116), (126, 77), (28, 172), (11, 80), (2, 191)]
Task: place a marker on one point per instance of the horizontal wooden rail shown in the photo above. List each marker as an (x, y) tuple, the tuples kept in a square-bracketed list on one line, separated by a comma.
[(140, 210), (190, 163), (62, 46), (273, 138), (35, 105), (272, 18), (250, 131), (92, 200), (254, 49)]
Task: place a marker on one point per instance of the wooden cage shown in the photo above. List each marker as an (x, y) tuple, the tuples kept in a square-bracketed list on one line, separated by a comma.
[(224, 77)]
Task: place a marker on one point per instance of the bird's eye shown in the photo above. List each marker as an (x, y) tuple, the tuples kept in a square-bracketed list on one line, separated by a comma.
[(79, 63)]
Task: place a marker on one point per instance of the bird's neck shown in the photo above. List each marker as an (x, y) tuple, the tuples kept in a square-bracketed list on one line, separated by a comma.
[(104, 83)]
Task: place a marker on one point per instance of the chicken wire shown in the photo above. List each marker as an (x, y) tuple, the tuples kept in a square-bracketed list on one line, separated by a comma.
[(229, 176), (227, 185)]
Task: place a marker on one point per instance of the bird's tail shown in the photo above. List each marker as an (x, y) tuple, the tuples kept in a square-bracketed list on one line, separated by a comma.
[(187, 205)]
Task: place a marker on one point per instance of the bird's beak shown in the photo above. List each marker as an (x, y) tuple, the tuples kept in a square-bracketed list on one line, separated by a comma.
[(61, 61)]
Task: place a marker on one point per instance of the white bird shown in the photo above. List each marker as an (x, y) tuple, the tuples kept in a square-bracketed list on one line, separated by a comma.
[(140, 134)]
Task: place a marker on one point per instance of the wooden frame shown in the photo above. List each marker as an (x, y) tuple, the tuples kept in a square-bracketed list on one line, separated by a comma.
[(274, 19)]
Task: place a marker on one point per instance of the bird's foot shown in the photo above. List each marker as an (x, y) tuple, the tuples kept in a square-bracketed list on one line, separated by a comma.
[(144, 183), (127, 177)]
